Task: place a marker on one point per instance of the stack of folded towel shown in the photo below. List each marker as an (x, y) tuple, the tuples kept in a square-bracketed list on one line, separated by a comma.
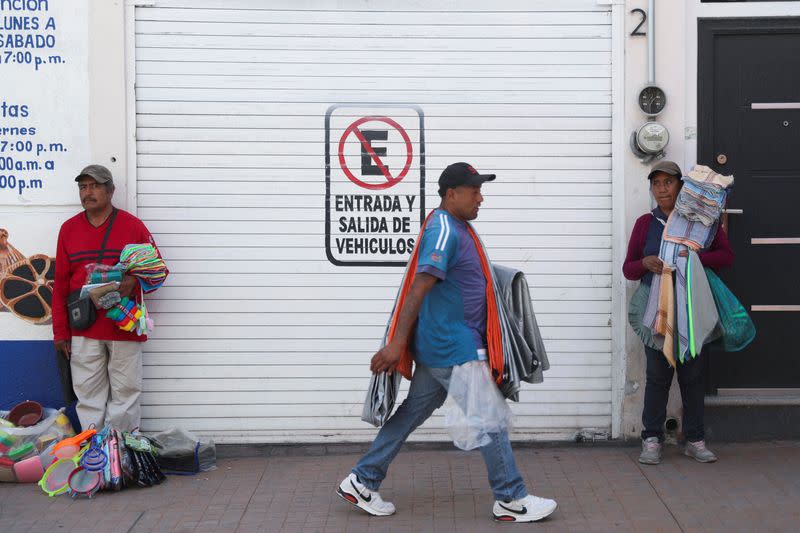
[(703, 195)]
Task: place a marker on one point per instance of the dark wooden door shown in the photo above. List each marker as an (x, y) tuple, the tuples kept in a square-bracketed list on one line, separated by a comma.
[(749, 126)]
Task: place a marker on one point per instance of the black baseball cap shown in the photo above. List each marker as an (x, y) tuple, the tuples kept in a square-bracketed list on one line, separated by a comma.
[(459, 174), (667, 167)]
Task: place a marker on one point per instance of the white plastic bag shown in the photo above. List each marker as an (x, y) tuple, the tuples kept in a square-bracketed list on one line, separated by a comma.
[(474, 407), (20, 443), (53, 427)]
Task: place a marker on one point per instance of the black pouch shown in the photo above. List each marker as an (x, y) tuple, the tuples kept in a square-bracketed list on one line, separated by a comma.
[(81, 311)]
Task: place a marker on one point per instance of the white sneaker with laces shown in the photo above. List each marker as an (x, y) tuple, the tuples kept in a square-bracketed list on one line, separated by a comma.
[(699, 452), (651, 451), (528, 509), (353, 491)]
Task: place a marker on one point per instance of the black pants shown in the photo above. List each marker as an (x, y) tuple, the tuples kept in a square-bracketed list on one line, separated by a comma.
[(691, 378)]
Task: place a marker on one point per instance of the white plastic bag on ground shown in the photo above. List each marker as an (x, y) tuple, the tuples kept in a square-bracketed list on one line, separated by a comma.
[(20, 443), (474, 407), (53, 427)]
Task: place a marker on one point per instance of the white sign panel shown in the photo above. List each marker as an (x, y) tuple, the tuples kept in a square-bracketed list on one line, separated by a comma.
[(44, 100), (375, 183)]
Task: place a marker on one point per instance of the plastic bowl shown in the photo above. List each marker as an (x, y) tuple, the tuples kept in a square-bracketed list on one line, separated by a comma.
[(29, 470), (27, 413)]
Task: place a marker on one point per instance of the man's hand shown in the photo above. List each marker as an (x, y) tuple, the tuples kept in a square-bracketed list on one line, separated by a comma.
[(127, 286), (653, 264), (64, 347), (386, 359)]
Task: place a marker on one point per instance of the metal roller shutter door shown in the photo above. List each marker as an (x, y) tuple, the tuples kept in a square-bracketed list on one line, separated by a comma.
[(259, 338)]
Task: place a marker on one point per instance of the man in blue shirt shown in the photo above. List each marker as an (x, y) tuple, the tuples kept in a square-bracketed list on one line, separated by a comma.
[(447, 304)]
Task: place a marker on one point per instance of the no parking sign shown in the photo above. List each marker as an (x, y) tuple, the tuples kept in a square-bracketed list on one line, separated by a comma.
[(374, 183)]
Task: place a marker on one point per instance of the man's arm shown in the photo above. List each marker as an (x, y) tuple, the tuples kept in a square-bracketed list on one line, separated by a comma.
[(61, 331), (130, 284), (387, 358)]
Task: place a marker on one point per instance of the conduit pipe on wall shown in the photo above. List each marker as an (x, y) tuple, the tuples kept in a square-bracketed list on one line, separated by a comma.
[(651, 42)]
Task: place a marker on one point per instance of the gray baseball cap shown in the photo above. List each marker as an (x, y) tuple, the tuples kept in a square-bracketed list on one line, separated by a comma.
[(667, 167), (98, 173)]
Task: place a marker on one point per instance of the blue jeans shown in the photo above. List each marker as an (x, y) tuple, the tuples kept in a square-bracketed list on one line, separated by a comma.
[(427, 393)]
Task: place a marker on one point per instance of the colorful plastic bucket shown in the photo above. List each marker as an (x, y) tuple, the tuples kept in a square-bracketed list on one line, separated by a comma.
[(29, 470)]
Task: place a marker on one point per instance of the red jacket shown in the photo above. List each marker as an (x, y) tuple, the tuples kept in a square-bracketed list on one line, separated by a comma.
[(79, 245)]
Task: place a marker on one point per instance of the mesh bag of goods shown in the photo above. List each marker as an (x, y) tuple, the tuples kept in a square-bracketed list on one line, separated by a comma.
[(181, 452)]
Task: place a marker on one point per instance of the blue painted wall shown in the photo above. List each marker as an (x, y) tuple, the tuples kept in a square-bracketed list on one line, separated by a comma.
[(28, 371)]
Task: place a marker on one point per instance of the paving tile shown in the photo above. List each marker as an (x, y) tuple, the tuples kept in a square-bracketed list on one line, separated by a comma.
[(753, 487)]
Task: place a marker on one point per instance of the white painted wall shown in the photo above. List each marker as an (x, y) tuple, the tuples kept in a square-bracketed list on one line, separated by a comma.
[(79, 103), (34, 227), (676, 73)]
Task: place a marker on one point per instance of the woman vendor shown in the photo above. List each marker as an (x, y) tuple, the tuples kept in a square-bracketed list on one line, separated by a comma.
[(641, 263)]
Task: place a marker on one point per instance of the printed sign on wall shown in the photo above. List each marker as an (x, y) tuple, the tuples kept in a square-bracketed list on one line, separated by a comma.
[(44, 100), (374, 183)]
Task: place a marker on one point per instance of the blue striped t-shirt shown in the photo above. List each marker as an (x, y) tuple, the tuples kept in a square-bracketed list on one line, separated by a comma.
[(452, 321)]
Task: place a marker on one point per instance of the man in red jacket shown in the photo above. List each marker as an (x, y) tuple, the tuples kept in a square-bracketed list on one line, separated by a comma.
[(106, 362)]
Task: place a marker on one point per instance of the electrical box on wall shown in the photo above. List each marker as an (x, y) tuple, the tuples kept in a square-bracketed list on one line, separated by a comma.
[(651, 138), (652, 100)]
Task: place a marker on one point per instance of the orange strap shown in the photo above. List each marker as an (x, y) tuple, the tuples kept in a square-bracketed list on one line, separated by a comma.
[(493, 332), (494, 335), (407, 358)]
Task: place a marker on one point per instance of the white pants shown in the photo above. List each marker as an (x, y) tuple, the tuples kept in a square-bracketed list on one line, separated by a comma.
[(107, 378)]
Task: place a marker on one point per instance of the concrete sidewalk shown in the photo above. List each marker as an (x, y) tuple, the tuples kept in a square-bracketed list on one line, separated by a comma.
[(754, 487)]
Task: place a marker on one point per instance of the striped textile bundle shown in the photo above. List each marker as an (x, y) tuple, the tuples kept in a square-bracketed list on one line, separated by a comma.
[(692, 234), (703, 195), (666, 313), (143, 262)]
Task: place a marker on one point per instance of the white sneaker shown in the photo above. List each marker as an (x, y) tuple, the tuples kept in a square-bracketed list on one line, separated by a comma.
[(353, 491), (528, 509), (699, 451)]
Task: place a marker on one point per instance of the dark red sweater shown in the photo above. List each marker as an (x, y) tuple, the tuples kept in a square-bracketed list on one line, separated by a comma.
[(718, 255), (79, 245)]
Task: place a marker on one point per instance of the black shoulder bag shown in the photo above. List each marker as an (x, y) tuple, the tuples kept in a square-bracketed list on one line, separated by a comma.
[(81, 311)]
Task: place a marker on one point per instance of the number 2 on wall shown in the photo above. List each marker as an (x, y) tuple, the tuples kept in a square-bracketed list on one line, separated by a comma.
[(636, 31)]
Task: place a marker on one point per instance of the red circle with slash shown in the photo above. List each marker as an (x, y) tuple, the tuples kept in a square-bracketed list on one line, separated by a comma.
[(390, 179)]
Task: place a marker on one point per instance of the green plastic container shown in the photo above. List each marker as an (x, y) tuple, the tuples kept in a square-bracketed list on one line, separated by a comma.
[(21, 452)]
